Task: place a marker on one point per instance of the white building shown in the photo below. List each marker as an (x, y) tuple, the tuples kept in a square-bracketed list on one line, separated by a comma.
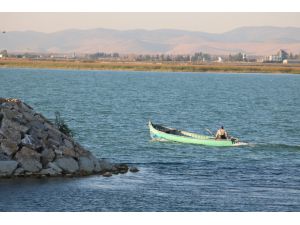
[(274, 58)]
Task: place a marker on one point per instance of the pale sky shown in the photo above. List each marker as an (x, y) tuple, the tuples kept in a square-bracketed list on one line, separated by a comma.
[(204, 21)]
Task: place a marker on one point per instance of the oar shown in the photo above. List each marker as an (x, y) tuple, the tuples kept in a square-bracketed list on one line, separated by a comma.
[(209, 132)]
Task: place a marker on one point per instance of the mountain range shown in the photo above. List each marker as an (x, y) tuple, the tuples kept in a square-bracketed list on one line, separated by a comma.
[(250, 40)]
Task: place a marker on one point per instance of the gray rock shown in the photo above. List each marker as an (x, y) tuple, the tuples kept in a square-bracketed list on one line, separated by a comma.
[(54, 134), (28, 115), (52, 143), (11, 134), (19, 171), (7, 105), (27, 140), (114, 170), (38, 134), (58, 153), (81, 151), (31, 141), (105, 165), (6, 123), (67, 151), (25, 107), (86, 164), (67, 164), (49, 172), (122, 168), (3, 156), (26, 152), (38, 125), (31, 165), (40, 117), (47, 156), (68, 144), (133, 169), (9, 113), (9, 147), (38, 129), (29, 159), (28, 173), (96, 163), (7, 167), (107, 174), (54, 167)]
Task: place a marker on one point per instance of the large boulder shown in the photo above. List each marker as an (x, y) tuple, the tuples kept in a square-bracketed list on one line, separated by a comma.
[(14, 125), (29, 159), (9, 147), (67, 164), (105, 165), (7, 167), (86, 165), (10, 113), (11, 134), (47, 156), (95, 162), (55, 167), (54, 134)]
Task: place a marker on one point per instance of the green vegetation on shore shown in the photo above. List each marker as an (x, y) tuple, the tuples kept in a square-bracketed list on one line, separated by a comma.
[(142, 66)]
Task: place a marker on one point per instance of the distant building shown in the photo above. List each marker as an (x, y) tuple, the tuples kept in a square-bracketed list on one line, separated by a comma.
[(274, 58), (282, 54), (278, 58)]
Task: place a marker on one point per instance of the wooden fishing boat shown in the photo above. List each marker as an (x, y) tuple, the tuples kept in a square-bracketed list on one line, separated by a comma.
[(162, 133)]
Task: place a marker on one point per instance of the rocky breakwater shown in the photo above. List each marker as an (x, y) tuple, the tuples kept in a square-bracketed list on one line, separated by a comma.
[(31, 145)]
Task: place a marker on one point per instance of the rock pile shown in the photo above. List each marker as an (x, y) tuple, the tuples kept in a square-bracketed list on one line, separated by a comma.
[(31, 145)]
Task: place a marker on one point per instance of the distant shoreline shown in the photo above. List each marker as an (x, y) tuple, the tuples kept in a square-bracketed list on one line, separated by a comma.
[(151, 66)]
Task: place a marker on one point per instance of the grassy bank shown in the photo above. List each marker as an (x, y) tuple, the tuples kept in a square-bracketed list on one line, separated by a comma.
[(151, 66)]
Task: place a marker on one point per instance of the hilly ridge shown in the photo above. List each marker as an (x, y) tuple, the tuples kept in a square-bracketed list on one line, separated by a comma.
[(251, 40)]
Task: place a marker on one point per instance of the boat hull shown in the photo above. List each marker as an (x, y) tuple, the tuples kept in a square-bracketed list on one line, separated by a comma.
[(189, 138)]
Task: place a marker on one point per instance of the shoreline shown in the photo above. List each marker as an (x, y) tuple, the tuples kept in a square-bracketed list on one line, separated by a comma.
[(151, 66)]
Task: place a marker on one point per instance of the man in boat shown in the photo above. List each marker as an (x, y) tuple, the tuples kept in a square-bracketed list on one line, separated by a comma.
[(221, 134)]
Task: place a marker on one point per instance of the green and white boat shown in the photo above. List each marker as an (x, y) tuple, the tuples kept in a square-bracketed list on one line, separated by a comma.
[(162, 133)]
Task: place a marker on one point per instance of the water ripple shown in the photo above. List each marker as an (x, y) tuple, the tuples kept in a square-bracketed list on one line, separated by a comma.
[(109, 111)]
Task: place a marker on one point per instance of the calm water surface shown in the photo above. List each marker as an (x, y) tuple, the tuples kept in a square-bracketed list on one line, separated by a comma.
[(109, 111)]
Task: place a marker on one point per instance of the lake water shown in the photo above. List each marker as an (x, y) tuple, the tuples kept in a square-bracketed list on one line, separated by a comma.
[(109, 111)]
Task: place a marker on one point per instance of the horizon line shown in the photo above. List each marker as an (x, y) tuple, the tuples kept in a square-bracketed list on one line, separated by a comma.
[(145, 29)]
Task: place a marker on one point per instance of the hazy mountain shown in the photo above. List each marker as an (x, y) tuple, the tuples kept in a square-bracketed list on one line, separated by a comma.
[(252, 40)]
